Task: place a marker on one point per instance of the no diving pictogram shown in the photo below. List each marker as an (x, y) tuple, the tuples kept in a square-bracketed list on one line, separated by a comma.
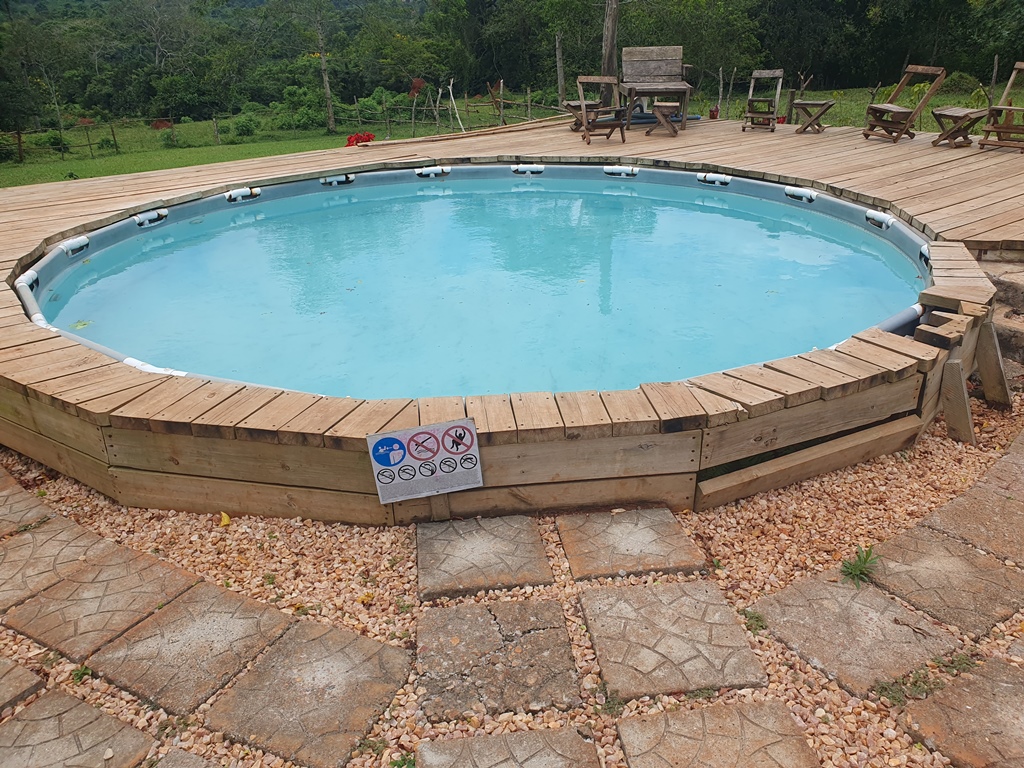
[(457, 440), (424, 446)]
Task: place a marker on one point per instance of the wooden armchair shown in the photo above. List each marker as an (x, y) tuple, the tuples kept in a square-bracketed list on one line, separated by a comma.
[(763, 112), (595, 119), (1005, 120), (892, 121), (655, 71)]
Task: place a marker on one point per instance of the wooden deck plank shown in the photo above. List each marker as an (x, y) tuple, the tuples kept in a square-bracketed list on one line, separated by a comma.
[(135, 413), (262, 425), (631, 413), (833, 383), (950, 297), (40, 346), (438, 410), (869, 374), (537, 417), (308, 427), (220, 420), (757, 401), (97, 411), (676, 406), (495, 422), (368, 418), (584, 415), (924, 354), (720, 410), (176, 417), (901, 366), (796, 390)]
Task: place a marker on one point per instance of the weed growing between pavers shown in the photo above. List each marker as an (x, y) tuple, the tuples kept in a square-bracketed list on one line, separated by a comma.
[(859, 568), (753, 621)]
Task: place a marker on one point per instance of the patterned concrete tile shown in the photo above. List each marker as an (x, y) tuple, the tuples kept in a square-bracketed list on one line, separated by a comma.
[(743, 735), (668, 638), (182, 654), (7, 483), (177, 758), (96, 603), (314, 694), (59, 731), (631, 541), (16, 683), (857, 636), (563, 748), (987, 517), (949, 580), (19, 509), (500, 657), (460, 557), (34, 560), (977, 720)]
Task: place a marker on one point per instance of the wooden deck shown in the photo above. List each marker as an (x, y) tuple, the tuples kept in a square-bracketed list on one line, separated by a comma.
[(151, 440)]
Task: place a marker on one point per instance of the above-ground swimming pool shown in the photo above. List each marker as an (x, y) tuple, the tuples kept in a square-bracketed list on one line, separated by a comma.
[(481, 279)]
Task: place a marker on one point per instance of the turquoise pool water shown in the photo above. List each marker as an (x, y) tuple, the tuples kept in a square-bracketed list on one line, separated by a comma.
[(483, 286)]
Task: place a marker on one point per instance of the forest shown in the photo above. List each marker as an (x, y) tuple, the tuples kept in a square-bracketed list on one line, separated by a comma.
[(68, 60)]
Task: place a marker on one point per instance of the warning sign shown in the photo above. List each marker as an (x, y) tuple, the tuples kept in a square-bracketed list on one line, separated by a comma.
[(425, 461)]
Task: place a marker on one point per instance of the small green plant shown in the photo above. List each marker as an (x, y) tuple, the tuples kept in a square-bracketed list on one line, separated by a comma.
[(702, 693), (105, 143), (41, 493), (375, 746), (859, 568), (716, 563), (269, 579), (408, 760), (80, 673), (959, 662), (754, 621), (272, 536), (168, 140), (891, 690), (403, 605), (917, 685), (227, 583), (30, 526), (612, 704), (49, 659)]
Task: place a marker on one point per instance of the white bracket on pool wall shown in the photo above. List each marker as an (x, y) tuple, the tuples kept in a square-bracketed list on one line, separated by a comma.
[(526, 170), (242, 194), (879, 219), (149, 218), (337, 181), (134, 363), (621, 171), (73, 246), (434, 170), (801, 193), (718, 179), (925, 257)]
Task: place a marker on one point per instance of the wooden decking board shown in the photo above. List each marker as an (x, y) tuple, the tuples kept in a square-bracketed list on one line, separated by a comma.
[(901, 366), (869, 374), (495, 422), (61, 362), (262, 425), (135, 413), (676, 406), (370, 417), (757, 401), (406, 418), (833, 383), (437, 410), (220, 420), (176, 418), (796, 390), (308, 427), (720, 410), (631, 413), (924, 354), (97, 411), (67, 391), (43, 345), (537, 417), (584, 415)]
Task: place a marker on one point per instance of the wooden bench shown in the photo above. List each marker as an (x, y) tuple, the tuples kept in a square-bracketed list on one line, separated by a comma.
[(1002, 119), (652, 72)]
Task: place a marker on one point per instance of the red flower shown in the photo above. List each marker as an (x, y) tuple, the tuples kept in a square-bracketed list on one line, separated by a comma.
[(417, 86), (359, 138)]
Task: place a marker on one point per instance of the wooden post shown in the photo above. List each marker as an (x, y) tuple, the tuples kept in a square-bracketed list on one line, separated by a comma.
[(990, 367), (387, 119), (728, 99), (501, 101), (529, 107), (414, 100), (956, 405), (216, 131), (174, 136), (789, 106), (995, 74), (113, 136), (21, 147), (359, 120), (88, 140), (559, 68)]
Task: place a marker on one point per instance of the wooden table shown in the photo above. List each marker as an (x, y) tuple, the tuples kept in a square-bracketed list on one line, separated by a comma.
[(663, 111), (679, 92), (955, 124), (811, 120)]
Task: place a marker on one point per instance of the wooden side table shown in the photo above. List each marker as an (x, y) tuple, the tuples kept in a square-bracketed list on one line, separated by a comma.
[(955, 124), (812, 112)]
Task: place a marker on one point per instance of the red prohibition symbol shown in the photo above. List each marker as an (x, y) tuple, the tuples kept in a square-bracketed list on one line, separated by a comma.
[(424, 446), (457, 440)]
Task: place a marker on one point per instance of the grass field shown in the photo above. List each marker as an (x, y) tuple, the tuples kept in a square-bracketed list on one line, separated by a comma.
[(143, 148)]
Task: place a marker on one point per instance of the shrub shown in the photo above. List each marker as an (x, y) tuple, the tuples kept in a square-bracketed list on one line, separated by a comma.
[(51, 139), (105, 143), (252, 106), (247, 125), (8, 149), (185, 119), (167, 138), (960, 83), (159, 125)]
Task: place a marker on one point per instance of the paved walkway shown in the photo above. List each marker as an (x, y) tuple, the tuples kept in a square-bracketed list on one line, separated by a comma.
[(313, 691)]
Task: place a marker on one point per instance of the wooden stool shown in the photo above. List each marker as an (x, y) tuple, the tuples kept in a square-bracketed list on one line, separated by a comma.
[(576, 111), (811, 120), (663, 111), (955, 124)]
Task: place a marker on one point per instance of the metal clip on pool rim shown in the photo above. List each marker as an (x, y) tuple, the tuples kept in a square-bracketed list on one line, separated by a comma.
[(73, 246), (149, 218), (434, 170), (526, 170), (718, 179), (621, 171), (242, 194), (879, 219), (801, 193), (337, 181)]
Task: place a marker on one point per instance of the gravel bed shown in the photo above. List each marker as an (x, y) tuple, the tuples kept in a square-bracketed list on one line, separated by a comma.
[(364, 579)]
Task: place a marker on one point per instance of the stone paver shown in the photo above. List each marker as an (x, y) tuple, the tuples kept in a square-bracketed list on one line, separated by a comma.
[(499, 657), (630, 541), (977, 720), (18, 508), (34, 560), (460, 557), (1016, 649), (743, 735), (313, 696), (987, 517), (857, 636), (949, 580), (96, 603), (177, 758), (182, 654), (58, 731), (16, 683), (668, 638), (563, 748)]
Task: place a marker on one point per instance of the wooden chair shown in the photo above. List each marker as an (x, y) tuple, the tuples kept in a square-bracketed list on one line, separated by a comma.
[(596, 119), (1002, 119), (652, 72), (890, 120), (763, 112)]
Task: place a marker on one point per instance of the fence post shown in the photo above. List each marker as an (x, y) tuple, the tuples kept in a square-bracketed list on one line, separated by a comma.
[(529, 105), (501, 100), (88, 140), (174, 136), (21, 148), (789, 106), (359, 120), (216, 131), (117, 149)]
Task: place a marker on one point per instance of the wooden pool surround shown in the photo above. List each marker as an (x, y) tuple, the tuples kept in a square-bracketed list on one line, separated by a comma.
[(150, 440)]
